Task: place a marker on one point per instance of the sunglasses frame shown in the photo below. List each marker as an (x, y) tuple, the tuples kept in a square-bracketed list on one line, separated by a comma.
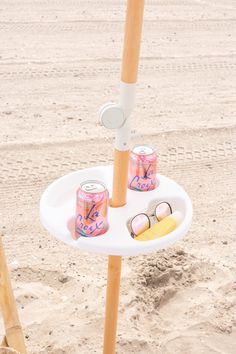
[(148, 216), (149, 221), (158, 205)]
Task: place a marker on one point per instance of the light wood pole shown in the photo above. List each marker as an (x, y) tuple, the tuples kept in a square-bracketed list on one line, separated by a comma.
[(133, 30), (14, 334)]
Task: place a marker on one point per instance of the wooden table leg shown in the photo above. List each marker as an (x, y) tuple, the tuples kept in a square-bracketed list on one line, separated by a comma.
[(112, 304), (14, 333)]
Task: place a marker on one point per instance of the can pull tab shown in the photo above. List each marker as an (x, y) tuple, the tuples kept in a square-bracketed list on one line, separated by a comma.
[(143, 151), (90, 188)]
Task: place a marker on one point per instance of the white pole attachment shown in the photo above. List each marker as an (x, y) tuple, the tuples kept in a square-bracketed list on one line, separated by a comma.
[(116, 115)]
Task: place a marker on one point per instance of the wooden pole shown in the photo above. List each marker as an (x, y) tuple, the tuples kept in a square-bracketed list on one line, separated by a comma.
[(129, 72), (6, 350), (14, 333), (133, 30), (4, 342), (112, 304)]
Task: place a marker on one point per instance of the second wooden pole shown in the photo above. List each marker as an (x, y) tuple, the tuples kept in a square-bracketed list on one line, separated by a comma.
[(14, 333)]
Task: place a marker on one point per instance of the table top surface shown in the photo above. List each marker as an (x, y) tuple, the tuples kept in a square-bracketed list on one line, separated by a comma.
[(58, 204)]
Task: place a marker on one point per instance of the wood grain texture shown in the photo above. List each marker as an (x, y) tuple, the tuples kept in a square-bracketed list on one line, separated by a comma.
[(120, 178), (14, 333), (112, 304), (132, 41), (6, 350)]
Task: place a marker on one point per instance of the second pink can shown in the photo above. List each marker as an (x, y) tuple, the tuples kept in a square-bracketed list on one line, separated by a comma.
[(142, 169)]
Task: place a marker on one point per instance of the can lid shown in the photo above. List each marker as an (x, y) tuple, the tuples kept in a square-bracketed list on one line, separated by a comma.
[(143, 150), (92, 187)]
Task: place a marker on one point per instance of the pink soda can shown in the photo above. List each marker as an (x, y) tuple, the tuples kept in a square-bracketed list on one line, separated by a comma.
[(92, 199), (142, 169)]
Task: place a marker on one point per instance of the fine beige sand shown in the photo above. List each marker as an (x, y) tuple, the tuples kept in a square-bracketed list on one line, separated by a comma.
[(59, 62)]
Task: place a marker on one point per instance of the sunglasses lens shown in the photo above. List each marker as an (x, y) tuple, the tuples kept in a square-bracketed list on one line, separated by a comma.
[(139, 224), (162, 210)]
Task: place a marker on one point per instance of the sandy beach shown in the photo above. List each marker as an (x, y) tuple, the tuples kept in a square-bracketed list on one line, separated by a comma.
[(59, 62)]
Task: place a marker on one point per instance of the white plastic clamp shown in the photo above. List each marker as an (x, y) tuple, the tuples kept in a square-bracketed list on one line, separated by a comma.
[(116, 115), (112, 116)]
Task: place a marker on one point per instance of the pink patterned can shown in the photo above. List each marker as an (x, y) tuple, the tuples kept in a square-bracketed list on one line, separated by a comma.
[(91, 209), (142, 169)]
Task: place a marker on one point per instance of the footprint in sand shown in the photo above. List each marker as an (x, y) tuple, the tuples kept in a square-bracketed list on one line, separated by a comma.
[(53, 279), (134, 346), (198, 344), (175, 270), (39, 292)]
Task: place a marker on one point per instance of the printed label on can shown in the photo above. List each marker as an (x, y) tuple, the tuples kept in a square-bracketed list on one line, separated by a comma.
[(142, 169), (91, 223), (92, 208)]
